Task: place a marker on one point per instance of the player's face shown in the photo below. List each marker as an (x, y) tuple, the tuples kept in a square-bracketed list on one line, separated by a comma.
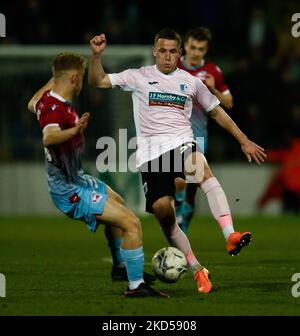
[(166, 53), (195, 51)]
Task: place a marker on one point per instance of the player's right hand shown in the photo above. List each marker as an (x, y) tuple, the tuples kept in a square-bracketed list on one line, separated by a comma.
[(210, 81), (98, 44), (83, 122)]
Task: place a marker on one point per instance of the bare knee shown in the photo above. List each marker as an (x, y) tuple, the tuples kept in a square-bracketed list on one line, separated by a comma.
[(131, 222), (163, 207), (132, 229), (135, 223), (164, 211)]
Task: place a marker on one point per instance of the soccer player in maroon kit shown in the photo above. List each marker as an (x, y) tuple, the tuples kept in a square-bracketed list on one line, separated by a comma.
[(79, 195)]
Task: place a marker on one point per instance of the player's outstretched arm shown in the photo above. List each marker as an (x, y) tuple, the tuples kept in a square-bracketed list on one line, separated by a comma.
[(250, 149), (97, 76), (38, 95), (54, 135)]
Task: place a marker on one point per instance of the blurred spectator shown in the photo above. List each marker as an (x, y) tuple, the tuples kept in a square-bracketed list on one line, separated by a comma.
[(257, 92), (261, 41), (285, 184), (289, 66), (35, 23), (25, 136), (132, 23)]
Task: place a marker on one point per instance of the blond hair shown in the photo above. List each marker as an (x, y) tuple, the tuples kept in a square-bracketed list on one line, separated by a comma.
[(67, 61)]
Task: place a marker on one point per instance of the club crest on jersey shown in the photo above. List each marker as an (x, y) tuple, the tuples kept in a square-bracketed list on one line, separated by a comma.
[(74, 198), (96, 198), (183, 87)]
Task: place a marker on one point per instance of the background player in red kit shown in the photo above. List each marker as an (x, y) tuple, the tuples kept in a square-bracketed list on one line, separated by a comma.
[(196, 46), (285, 184), (79, 195)]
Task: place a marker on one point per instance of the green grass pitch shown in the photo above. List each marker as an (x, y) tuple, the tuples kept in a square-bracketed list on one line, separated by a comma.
[(55, 266)]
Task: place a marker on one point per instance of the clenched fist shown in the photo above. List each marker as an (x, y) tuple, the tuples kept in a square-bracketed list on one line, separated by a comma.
[(98, 44)]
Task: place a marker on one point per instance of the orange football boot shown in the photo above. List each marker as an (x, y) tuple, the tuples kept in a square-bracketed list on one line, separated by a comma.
[(203, 283), (237, 241)]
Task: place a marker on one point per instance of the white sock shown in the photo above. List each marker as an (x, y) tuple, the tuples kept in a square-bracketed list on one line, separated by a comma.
[(134, 284), (218, 205)]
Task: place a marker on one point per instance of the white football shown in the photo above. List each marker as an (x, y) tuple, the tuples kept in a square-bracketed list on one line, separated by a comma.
[(169, 264)]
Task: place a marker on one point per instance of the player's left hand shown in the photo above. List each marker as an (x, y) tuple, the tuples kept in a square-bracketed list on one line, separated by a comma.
[(253, 151), (209, 81)]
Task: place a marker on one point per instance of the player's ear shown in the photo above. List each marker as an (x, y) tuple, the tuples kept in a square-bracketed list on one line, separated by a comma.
[(154, 51), (180, 52), (74, 77)]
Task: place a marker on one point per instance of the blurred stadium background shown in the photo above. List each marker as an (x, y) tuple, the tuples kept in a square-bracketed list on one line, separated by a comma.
[(252, 43), (49, 274)]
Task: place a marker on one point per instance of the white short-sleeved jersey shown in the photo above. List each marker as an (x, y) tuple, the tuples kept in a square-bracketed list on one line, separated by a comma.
[(162, 106)]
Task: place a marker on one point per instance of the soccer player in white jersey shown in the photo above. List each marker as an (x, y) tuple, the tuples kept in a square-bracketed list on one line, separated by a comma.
[(196, 44), (76, 194), (163, 97)]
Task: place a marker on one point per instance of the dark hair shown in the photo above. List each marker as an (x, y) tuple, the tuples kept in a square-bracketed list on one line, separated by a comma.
[(68, 61), (199, 34), (168, 34)]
